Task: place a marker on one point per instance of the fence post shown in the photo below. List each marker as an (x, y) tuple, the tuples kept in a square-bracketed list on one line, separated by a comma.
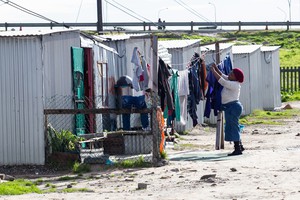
[(155, 130), (155, 100), (294, 78), (283, 80), (290, 79), (298, 70)]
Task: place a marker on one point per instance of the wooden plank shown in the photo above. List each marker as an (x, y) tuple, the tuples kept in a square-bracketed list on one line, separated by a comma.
[(222, 145), (218, 132), (219, 137), (291, 79), (283, 80), (92, 135), (96, 111), (96, 139), (295, 79)]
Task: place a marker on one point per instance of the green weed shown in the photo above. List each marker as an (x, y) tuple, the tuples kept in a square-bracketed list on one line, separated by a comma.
[(18, 187), (164, 155), (290, 96), (72, 190), (67, 178), (268, 117), (81, 168), (140, 162)]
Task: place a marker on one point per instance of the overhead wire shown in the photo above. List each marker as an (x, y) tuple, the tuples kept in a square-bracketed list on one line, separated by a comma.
[(193, 11), (140, 17), (123, 10), (79, 10), (133, 12), (187, 7), (30, 12)]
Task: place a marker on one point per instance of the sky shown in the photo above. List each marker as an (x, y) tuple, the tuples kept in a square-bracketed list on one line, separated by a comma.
[(168, 10)]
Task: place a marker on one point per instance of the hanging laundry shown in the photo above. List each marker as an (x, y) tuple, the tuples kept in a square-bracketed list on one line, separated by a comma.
[(175, 113), (197, 85), (140, 73), (145, 79), (164, 90), (183, 92), (213, 95)]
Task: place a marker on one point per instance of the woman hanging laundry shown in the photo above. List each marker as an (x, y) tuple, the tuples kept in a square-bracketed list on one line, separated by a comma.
[(231, 105)]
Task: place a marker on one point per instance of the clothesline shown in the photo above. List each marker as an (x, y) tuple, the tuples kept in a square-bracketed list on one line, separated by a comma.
[(205, 53)]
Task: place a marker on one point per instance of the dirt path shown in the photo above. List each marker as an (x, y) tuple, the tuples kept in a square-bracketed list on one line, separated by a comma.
[(268, 169)]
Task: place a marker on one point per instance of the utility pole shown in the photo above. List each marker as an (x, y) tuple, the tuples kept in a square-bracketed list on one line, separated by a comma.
[(290, 15), (99, 15)]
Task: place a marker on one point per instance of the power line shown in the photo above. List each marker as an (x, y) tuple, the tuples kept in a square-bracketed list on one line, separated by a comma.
[(193, 11), (30, 12), (79, 10), (133, 12), (184, 5), (123, 10)]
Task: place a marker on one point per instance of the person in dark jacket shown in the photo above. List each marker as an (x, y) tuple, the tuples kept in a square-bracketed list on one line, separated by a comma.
[(231, 105)]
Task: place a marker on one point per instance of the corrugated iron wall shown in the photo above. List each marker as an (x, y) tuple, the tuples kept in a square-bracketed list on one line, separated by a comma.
[(35, 73), (257, 92), (271, 84), (21, 121), (104, 82), (251, 91), (276, 78), (242, 61), (58, 76)]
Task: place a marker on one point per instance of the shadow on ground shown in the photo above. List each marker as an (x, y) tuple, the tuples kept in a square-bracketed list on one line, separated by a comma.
[(201, 156)]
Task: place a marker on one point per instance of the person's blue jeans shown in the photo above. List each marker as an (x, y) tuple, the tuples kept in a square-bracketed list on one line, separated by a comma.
[(233, 111), (139, 103)]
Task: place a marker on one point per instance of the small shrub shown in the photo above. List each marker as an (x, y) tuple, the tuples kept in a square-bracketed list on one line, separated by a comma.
[(81, 168), (140, 162), (63, 141), (164, 155)]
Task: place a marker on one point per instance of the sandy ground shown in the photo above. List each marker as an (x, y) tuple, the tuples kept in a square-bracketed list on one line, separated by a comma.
[(268, 169)]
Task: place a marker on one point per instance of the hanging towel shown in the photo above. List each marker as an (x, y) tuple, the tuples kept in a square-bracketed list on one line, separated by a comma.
[(137, 70)]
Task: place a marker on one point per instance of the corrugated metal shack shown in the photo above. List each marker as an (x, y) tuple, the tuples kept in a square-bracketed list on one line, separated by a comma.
[(135, 142), (34, 68), (270, 66), (124, 45), (36, 71), (248, 58), (182, 52), (102, 77)]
